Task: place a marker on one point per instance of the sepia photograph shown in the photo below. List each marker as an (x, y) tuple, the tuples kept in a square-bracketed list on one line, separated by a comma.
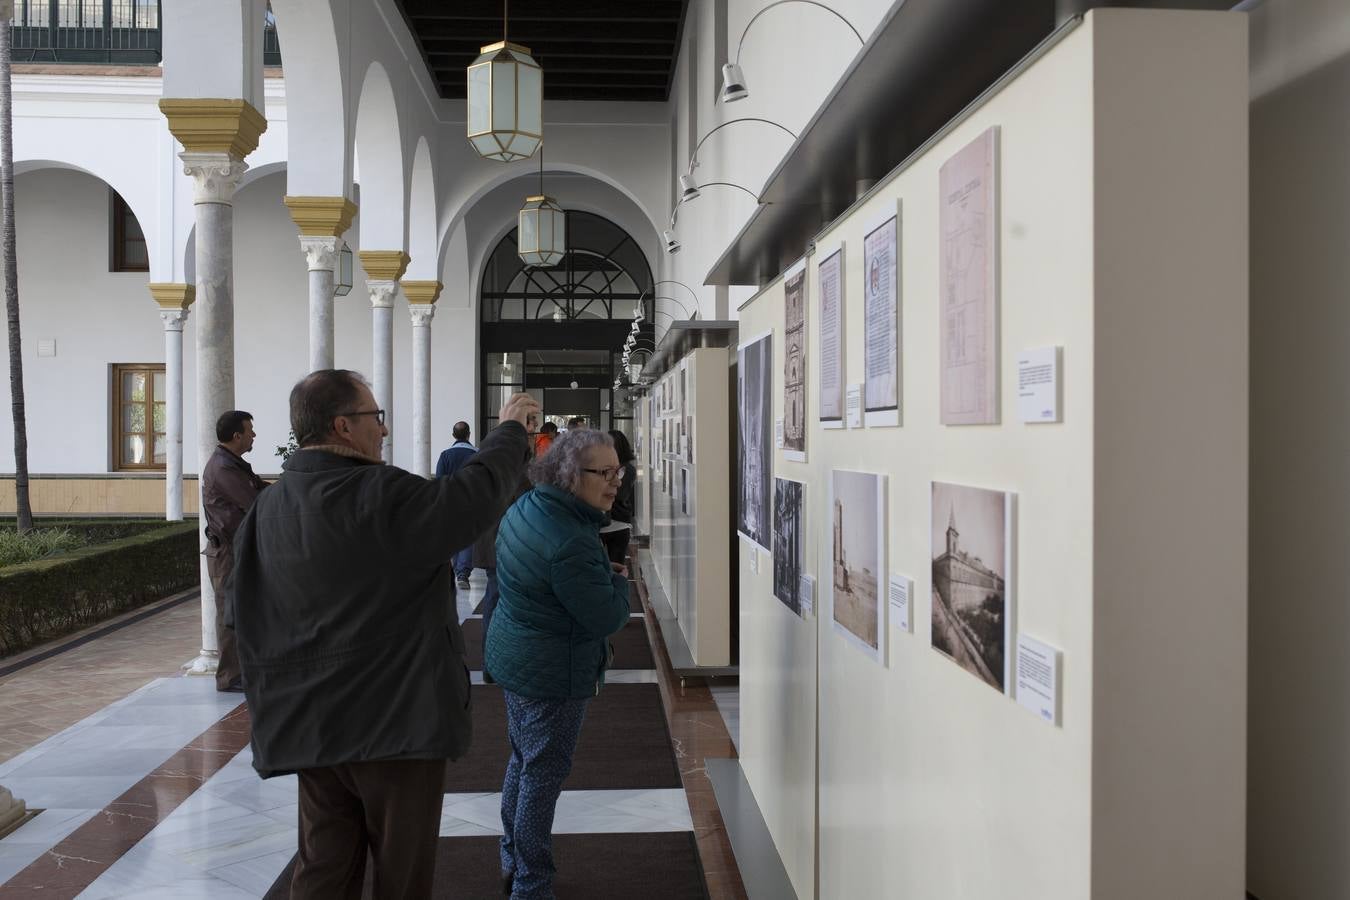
[(789, 542), (794, 364), (858, 558), (754, 381), (971, 603)]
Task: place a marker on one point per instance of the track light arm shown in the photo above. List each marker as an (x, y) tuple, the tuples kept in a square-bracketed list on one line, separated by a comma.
[(756, 16), (693, 157)]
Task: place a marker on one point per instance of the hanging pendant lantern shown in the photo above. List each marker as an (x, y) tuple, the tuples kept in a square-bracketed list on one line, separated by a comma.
[(506, 102), (541, 235)]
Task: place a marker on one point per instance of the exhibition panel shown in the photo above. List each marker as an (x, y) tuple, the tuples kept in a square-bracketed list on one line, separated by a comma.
[(1031, 680)]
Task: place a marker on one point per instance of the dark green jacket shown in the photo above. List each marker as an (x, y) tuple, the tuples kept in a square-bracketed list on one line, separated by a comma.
[(343, 607), (560, 600)]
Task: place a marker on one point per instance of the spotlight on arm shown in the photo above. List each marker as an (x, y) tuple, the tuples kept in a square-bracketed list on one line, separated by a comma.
[(733, 79)]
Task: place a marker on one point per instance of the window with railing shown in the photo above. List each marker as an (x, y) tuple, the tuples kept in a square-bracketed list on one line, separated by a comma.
[(125, 32)]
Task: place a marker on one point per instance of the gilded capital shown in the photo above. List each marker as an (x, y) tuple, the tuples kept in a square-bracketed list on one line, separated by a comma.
[(321, 216), (173, 295), (384, 265), (204, 125), (423, 292)]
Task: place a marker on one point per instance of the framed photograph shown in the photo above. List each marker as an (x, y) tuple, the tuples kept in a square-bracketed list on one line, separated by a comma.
[(972, 615), (858, 559), (830, 281), (789, 541), (794, 363), (754, 383)]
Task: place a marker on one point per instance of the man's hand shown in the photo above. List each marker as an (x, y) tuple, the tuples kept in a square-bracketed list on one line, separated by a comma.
[(518, 408), (619, 569)]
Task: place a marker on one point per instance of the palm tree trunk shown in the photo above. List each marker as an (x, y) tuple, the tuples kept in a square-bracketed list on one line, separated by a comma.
[(22, 505)]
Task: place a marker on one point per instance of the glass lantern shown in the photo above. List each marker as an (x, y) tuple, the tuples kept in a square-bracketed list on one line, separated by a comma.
[(506, 102), (542, 232)]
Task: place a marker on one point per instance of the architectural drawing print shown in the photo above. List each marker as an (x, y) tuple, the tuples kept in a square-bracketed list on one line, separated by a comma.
[(968, 223)]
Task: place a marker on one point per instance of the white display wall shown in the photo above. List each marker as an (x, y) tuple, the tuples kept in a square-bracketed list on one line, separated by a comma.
[(1121, 238)]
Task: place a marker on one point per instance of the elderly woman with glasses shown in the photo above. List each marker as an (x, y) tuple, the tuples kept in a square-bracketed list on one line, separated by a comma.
[(560, 598)]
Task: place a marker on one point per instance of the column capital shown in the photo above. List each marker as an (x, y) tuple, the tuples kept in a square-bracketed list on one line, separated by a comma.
[(204, 125), (321, 216), (173, 296), (384, 265), (421, 313), (382, 293), (421, 292), (215, 176), (320, 252), (174, 319)]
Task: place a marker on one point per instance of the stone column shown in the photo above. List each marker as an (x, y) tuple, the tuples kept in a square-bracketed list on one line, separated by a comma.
[(422, 297), (216, 136), (322, 222), (383, 270), (174, 301), (12, 811)]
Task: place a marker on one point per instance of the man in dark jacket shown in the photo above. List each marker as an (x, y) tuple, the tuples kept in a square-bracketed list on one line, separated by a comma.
[(352, 655), (229, 488), (450, 461)]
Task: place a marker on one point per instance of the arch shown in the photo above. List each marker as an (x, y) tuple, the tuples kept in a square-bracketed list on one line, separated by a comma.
[(141, 207), (318, 94), (461, 207), (379, 144), (260, 172), (423, 236), (603, 274)]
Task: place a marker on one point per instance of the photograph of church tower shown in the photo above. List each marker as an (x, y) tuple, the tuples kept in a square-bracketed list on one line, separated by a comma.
[(972, 612)]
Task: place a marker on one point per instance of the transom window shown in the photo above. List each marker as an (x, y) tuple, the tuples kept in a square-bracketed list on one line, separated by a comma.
[(139, 395)]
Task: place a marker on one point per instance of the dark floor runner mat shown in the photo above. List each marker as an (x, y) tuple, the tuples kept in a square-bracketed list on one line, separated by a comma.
[(632, 650), (624, 744), (653, 866), (634, 603)]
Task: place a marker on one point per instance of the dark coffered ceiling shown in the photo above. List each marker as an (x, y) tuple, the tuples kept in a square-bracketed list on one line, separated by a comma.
[(589, 49)]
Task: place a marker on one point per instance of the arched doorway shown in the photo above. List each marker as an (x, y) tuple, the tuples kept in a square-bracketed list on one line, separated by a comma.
[(558, 331)]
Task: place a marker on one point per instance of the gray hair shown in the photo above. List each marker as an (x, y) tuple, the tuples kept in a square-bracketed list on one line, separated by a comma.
[(561, 464)]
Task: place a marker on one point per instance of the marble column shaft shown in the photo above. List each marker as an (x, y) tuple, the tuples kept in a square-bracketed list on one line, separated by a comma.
[(321, 254), (173, 412), (422, 314), (382, 295), (215, 178), (12, 810)]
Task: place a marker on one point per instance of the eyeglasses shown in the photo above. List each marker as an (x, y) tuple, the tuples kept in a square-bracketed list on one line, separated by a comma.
[(377, 413), (609, 473)]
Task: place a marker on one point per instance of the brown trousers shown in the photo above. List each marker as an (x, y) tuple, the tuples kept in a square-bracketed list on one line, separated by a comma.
[(227, 668), (392, 809)]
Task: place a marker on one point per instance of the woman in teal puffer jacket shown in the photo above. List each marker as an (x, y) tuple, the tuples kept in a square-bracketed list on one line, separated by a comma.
[(560, 600)]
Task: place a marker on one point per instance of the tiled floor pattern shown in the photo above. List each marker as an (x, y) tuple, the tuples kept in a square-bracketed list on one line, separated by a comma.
[(40, 700), (232, 837)]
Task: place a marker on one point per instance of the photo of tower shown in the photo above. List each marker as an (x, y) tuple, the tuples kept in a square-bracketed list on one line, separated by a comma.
[(858, 553), (794, 365), (971, 613)]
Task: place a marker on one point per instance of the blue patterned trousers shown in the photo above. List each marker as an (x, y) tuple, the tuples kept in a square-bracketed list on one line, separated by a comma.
[(543, 735)]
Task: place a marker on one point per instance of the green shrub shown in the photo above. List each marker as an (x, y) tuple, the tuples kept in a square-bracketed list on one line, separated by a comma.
[(50, 597), (18, 548)]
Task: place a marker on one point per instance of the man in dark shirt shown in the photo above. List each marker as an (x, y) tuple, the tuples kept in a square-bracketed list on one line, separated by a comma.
[(452, 458), (228, 490), (353, 660)]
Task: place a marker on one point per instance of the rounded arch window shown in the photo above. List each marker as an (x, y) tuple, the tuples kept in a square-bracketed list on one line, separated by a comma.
[(604, 275)]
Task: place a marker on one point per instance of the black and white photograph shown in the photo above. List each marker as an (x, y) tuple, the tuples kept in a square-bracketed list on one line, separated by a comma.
[(858, 559), (794, 364), (789, 541), (972, 603), (684, 491), (754, 383)]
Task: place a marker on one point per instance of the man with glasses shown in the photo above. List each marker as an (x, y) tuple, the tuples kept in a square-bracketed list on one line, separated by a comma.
[(352, 654)]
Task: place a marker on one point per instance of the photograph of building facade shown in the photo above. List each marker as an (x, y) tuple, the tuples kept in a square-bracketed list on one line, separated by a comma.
[(794, 364), (789, 541), (971, 616), (754, 384)]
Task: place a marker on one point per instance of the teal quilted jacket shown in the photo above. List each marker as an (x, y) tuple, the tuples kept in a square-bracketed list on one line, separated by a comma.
[(559, 602)]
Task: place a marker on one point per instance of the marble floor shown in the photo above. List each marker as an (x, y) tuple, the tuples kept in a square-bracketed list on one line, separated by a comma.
[(219, 831)]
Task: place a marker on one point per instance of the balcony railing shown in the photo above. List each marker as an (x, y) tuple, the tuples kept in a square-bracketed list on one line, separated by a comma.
[(125, 32)]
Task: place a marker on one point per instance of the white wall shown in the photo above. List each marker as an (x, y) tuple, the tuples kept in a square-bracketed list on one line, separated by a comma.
[(1130, 538), (1298, 785)]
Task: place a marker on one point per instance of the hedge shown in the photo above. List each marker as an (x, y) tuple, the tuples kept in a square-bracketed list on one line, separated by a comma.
[(51, 597)]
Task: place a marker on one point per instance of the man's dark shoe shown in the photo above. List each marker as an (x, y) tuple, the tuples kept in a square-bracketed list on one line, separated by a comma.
[(236, 687), (508, 878)]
